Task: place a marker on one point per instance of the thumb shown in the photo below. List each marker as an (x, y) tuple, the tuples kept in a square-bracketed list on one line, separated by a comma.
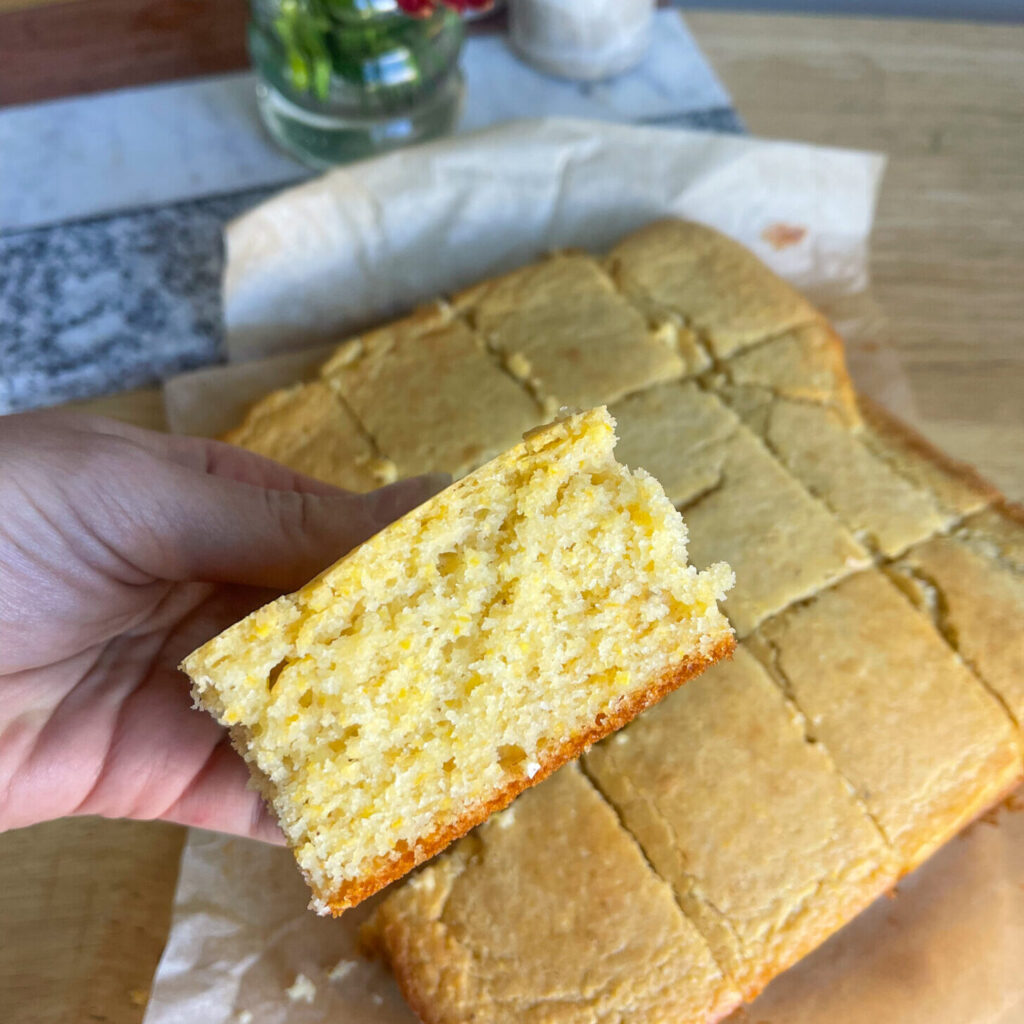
[(220, 530)]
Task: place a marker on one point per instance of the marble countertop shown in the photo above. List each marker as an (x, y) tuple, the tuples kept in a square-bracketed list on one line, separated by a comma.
[(113, 205)]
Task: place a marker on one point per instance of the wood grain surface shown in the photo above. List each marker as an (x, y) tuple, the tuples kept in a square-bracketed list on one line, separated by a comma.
[(84, 903)]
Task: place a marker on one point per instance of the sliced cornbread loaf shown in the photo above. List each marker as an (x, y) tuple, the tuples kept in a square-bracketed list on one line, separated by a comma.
[(462, 654), (765, 847), (883, 508), (562, 328), (309, 428), (430, 396), (714, 286), (920, 739), (548, 913), (971, 584), (782, 543)]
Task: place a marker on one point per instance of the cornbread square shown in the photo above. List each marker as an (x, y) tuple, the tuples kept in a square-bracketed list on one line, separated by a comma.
[(674, 431), (462, 654), (719, 288), (783, 545), (806, 363), (884, 509), (922, 742), (309, 429), (956, 487), (740, 504), (430, 395), (973, 588), (765, 847), (548, 913), (562, 328)]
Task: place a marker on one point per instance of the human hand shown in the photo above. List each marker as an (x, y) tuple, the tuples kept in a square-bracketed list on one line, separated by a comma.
[(122, 550)]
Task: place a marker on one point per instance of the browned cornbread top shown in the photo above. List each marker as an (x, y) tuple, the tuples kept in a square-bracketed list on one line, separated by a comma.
[(785, 512)]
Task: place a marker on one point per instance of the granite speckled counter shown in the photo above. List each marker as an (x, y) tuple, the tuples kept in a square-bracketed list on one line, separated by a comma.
[(113, 205)]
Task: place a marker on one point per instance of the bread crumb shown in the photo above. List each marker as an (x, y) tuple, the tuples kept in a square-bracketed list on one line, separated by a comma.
[(244, 1017), (342, 969), (138, 996), (302, 990)]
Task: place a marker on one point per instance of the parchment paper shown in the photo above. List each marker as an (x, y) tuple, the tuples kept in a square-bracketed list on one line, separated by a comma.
[(367, 242)]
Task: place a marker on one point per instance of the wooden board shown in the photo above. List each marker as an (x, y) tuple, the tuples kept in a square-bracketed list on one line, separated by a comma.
[(84, 904)]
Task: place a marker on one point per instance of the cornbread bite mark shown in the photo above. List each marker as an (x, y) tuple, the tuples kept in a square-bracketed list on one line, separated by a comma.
[(972, 587), (561, 327), (719, 289), (925, 746), (764, 845), (430, 395), (595, 936), (309, 428), (462, 654), (881, 507)]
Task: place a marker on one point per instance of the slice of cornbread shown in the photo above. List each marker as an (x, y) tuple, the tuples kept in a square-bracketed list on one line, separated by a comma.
[(548, 913), (562, 328), (923, 743), (766, 849), (430, 395), (972, 585), (309, 428), (805, 363), (881, 507), (463, 654), (719, 288)]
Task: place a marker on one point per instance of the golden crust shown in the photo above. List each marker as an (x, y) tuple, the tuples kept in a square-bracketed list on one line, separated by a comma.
[(638, 958), (719, 288), (956, 485), (426, 847)]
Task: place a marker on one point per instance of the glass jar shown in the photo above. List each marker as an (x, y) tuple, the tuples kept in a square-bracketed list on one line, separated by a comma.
[(338, 80)]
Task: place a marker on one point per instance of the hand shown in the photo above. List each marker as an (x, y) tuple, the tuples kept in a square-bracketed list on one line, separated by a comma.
[(121, 551)]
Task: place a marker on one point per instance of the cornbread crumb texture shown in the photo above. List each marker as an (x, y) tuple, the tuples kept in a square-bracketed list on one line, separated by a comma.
[(308, 428), (430, 395), (923, 743), (550, 918), (720, 289), (739, 503), (805, 363), (462, 654), (767, 850), (883, 508), (975, 595), (561, 327)]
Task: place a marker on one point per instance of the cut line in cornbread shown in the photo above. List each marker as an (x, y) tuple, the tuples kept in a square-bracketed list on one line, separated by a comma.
[(923, 743), (766, 849), (548, 913), (562, 328), (309, 428), (884, 509), (430, 395), (463, 654), (971, 584), (719, 289)]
